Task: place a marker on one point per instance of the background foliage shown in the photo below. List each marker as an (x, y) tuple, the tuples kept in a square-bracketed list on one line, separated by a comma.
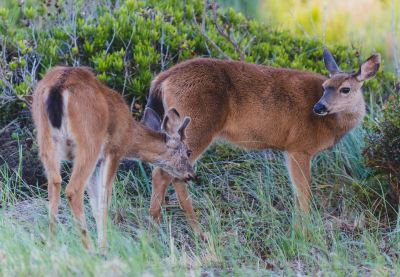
[(127, 45), (383, 151), (371, 25)]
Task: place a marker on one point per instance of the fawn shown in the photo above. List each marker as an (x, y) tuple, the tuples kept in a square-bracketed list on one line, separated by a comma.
[(259, 107), (80, 119)]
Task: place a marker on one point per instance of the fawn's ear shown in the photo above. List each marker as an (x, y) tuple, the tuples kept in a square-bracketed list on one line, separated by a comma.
[(171, 122), (330, 63), (369, 68), (151, 119), (182, 128)]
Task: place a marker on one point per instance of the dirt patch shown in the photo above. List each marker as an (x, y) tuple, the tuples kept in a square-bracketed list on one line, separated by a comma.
[(18, 151)]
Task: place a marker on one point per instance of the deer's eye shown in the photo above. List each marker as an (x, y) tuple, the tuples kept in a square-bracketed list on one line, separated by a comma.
[(345, 90), (189, 152)]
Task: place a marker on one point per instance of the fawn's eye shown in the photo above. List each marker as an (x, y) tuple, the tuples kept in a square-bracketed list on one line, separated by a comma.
[(189, 152), (345, 90)]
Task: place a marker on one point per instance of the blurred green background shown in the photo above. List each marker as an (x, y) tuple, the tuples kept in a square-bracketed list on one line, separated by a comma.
[(369, 25)]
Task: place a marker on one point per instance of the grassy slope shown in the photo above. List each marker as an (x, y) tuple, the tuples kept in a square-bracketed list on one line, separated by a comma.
[(244, 203)]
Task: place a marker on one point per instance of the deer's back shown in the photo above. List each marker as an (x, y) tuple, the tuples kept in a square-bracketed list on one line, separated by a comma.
[(253, 106)]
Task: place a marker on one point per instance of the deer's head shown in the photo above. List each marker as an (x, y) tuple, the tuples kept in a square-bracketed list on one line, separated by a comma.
[(174, 155), (342, 91)]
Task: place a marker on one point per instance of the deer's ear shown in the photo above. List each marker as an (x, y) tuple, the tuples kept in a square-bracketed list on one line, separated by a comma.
[(171, 122), (182, 128), (151, 119), (330, 63), (369, 68)]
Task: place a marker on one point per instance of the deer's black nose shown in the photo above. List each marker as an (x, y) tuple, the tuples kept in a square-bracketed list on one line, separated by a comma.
[(320, 109), (190, 177)]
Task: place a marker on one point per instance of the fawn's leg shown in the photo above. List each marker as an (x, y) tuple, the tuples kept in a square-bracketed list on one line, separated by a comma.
[(160, 182), (84, 165), (100, 192), (51, 163), (94, 189)]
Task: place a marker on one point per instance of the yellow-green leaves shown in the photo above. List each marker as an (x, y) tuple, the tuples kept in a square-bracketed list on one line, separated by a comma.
[(29, 13), (3, 13)]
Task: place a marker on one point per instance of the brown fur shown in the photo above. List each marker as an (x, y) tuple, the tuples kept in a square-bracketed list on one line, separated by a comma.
[(256, 107), (97, 131)]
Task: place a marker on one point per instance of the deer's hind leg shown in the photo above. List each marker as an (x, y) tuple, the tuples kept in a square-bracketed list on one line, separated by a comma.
[(100, 192), (51, 162), (84, 164), (89, 132)]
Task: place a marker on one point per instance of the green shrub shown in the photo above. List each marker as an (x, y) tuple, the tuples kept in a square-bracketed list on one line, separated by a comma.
[(127, 45), (383, 146)]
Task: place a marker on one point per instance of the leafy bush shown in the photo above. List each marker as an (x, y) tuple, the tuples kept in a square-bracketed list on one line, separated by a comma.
[(128, 44), (383, 146)]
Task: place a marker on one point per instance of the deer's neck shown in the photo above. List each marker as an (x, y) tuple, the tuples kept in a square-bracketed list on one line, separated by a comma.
[(144, 143), (346, 120)]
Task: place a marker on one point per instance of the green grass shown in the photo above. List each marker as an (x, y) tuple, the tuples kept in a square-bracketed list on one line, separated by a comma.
[(245, 205)]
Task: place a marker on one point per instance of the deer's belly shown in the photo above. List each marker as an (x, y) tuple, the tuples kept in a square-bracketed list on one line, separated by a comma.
[(255, 138)]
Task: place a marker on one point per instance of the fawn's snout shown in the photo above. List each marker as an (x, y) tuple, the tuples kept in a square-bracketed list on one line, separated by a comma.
[(190, 176)]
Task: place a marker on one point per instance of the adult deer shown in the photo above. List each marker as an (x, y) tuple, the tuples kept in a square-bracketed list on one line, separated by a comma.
[(80, 119), (259, 107)]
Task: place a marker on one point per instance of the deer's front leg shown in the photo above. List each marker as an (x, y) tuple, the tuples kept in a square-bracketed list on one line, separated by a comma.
[(186, 204), (299, 166), (160, 182)]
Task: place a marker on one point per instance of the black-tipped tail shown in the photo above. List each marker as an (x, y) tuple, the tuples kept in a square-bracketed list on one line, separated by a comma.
[(54, 105)]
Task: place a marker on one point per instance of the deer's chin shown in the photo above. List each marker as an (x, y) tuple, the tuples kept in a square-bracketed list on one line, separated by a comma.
[(173, 173), (181, 177), (322, 114)]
